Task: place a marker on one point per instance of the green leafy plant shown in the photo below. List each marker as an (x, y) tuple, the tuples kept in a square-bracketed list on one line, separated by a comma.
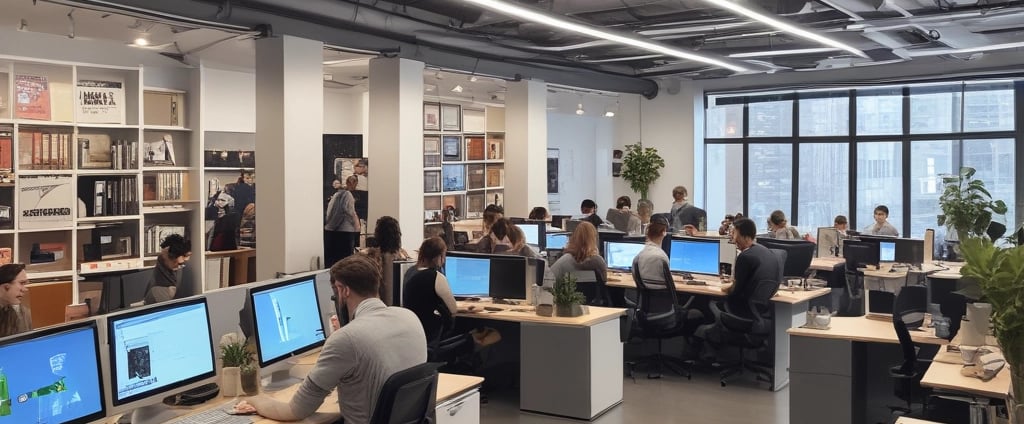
[(999, 272), (641, 167), (564, 291), (236, 352), (967, 207)]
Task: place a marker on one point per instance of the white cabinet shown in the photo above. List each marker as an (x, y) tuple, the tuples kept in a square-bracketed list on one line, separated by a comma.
[(464, 409)]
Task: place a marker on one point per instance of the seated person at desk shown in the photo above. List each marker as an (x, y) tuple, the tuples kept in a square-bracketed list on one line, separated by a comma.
[(778, 227), (426, 292), (652, 266), (725, 228), (508, 239), (622, 218), (14, 316), (841, 224), (881, 227), (684, 214), (644, 209), (580, 254), (540, 213), (175, 251), (588, 211), (377, 342), (388, 236), (754, 263), (492, 213)]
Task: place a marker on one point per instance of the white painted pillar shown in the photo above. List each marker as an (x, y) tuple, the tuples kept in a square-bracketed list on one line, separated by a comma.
[(395, 146), (526, 129), (289, 124)]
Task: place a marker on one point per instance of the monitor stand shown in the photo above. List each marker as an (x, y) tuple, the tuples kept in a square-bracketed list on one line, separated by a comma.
[(157, 413), (281, 379)]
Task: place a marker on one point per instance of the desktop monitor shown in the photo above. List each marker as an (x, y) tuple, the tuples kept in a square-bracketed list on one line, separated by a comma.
[(887, 251), (829, 242), (556, 241), (694, 255), (799, 254), (558, 221), (534, 232), (468, 274), (860, 254), (52, 375), (507, 277), (909, 251), (157, 350), (619, 254), (286, 317)]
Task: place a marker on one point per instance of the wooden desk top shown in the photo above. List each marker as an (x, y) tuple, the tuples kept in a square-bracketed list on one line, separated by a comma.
[(527, 314), (826, 264), (714, 288), (947, 376), (240, 251), (905, 420), (861, 329)]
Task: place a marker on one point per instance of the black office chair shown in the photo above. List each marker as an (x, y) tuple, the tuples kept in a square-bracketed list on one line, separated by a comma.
[(953, 306), (752, 328), (659, 316), (453, 350), (408, 396), (593, 287), (908, 313)]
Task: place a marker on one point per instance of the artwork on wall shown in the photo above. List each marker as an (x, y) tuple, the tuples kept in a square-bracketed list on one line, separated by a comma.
[(451, 117), (451, 146), (431, 117), (616, 162), (552, 171)]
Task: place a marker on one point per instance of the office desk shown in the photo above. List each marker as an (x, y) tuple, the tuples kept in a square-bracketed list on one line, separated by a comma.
[(789, 311), (905, 420), (836, 359), (569, 366), (458, 401), (826, 264), (943, 375)]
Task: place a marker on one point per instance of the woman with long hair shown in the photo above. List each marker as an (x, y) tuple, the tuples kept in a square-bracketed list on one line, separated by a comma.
[(580, 253), (388, 236)]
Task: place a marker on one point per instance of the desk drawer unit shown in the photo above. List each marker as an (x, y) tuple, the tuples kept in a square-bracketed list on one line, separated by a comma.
[(464, 409), (826, 381)]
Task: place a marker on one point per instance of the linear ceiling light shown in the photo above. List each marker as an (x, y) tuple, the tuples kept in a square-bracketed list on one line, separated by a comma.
[(772, 53), (783, 26), (590, 31), (965, 50)]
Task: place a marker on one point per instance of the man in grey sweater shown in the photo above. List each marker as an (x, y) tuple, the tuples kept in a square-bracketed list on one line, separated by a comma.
[(357, 359)]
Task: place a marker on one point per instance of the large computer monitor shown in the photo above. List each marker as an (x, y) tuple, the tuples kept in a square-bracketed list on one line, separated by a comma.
[(507, 277), (286, 317), (799, 254), (158, 350), (859, 253), (468, 274), (556, 241), (909, 251), (534, 231), (694, 255), (619, 254), (52, 376), (887, 251)]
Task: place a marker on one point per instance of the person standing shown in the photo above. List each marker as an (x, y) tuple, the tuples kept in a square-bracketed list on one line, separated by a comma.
[(683, 213), (341, 225), (881, 226)]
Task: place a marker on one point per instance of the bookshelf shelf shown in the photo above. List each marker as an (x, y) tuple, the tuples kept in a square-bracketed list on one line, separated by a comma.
[(50, 274), (44, 172), (43, 230), (165, 209), (109, 271), (34, 123), (227, 169), (107, 126), (167, 202), (165, 128), (108, 171), (116, 218), (168, 169)]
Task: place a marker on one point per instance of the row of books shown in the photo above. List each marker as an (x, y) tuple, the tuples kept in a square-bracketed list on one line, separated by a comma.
[(44, 150), (98, 151), (155, 234), (164, 186), (114, 196)]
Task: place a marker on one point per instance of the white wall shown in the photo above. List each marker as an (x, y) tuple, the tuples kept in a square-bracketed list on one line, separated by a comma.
[(229, 100), (584, 164), (344, 112)]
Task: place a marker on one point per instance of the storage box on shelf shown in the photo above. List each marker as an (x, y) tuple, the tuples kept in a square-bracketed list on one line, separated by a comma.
[(463, 159)]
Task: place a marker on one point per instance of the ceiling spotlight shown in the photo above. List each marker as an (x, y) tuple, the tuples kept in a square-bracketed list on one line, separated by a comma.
[(141, 41), (473, 78), (579, 109), (609, 113), (457, 89)]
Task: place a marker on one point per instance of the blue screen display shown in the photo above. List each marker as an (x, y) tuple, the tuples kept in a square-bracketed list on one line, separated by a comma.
[(51, 378), (532, 232), (468, 276), (887, 251), (287, 319), (557, 240), (620, 255), (700, 257)]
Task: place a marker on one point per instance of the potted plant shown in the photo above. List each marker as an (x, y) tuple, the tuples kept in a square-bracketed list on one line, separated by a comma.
[(565, 297), (967, 207), (239, 371), (999, 272), (641, 167)]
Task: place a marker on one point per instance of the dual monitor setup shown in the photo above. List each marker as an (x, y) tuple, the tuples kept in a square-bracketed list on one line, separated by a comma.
[(685, 254), (865, 250), (147, 354), (484, 275)]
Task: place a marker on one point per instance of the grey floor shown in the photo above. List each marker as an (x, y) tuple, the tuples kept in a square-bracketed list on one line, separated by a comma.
[(671, 399)]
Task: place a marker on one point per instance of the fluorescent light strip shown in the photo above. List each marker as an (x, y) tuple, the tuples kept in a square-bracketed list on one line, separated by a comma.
[(566, 25), (979, 49), (782, 52), (783, 26)]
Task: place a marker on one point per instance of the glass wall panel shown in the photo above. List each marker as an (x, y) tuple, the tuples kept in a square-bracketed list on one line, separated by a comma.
[(770, 186), (724, 191), (929, 160), (824, 116), (824, 184), (879, 182)]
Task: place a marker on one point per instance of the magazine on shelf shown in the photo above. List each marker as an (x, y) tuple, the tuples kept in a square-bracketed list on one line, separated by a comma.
[(32, 97), (100, 102), (159, 152), (45, 201)]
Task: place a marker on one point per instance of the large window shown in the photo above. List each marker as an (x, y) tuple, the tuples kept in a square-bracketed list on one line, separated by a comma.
[(820, 153)]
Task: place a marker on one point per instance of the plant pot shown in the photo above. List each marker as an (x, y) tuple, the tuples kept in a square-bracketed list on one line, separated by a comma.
[(231, 381), (251, 381), (568, 310), (1014, 406)]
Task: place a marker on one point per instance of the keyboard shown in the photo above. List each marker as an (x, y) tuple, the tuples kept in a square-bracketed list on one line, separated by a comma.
[(216, 415)]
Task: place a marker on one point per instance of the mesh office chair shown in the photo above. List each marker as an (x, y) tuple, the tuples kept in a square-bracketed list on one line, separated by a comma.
[(408, 397), (908, 313), (659, 315), (593, 287), (752, 328)]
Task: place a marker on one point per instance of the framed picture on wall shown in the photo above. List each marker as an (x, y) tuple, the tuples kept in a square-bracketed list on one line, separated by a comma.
[(432, 181), (431, 117), (451, 146), (451, 117)]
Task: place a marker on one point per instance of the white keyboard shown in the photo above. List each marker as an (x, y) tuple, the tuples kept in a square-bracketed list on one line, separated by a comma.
[(216, 415)]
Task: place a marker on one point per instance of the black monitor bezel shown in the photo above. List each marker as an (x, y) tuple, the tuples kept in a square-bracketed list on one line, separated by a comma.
[(715, 241), (491, 280), (542, 241), (557, 233), (251, 298), (75, 326), (903, 242), (470, 255), (115, 401)]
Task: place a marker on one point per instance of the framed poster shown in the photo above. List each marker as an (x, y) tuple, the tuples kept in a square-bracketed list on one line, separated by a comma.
[(451, 146), (431, 181), (454, 177), (100, 102), (431, 145), (32, 97), (451, 117), (45, 201), (431, 117)]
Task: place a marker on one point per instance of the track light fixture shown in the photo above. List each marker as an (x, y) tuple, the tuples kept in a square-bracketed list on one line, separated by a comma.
[(579, 109)]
